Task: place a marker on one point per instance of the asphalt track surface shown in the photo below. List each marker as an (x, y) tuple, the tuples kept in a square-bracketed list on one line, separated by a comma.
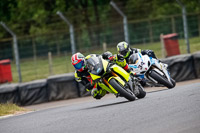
[(168, 111)]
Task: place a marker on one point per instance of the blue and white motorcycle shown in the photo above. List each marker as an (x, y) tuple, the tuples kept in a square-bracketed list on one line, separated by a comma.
[(151, 69)]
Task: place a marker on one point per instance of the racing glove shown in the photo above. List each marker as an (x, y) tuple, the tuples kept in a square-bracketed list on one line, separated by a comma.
[(131, 72)]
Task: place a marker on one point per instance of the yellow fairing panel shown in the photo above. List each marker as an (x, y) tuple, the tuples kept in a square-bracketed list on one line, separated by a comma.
[(121, 71), (94, 77)]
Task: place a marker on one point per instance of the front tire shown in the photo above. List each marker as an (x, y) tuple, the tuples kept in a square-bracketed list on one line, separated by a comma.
[(173, 82), (122, 91), (160, 79), (142, 93)]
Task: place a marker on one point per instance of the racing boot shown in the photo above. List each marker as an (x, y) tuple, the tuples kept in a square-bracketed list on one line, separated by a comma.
[(98, 93)]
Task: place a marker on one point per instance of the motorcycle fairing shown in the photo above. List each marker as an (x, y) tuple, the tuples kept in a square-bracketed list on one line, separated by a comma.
[(95, 65), (121, 71), (95, 77), (105, 64)]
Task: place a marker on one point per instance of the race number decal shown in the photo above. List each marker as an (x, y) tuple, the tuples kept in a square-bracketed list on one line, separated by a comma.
[(140, 66)]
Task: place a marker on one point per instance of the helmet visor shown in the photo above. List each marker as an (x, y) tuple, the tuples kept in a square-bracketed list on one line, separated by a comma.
[(124, 52), (79, 65)]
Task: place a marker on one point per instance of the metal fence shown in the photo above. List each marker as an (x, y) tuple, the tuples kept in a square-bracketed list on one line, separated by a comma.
[(35, 60)]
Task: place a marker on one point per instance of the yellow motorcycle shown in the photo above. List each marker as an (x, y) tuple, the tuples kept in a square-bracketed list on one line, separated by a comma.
[(114, 79)]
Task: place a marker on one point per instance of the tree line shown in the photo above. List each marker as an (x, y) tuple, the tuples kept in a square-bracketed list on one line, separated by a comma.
[(31, 17)]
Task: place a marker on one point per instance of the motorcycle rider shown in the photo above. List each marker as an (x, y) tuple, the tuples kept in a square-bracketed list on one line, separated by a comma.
[(124, 52), (82, 75)]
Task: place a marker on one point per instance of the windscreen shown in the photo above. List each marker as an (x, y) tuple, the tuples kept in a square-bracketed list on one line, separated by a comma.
[(95, 65), (133, 59)]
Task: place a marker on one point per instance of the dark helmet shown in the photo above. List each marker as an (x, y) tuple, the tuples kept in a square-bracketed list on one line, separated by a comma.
[(107, 55), (123, 49), (133, 59)]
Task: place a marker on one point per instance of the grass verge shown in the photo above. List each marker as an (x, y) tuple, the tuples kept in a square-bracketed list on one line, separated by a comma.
[(9, 108)]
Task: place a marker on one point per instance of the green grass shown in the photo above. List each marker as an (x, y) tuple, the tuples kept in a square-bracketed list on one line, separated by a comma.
[(8, 108), (32, 70)]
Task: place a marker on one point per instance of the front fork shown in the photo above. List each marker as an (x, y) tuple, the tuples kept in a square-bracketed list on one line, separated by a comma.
[(165, 71), (162, 71)]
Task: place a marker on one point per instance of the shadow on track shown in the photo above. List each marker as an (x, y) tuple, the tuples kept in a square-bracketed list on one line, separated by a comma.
[(158, 90), (105, 105)]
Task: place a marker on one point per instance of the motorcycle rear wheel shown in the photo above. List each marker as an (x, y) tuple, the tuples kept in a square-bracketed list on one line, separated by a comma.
[(161, 79), (122, 91)]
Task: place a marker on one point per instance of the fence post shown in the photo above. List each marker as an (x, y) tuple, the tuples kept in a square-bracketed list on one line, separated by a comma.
[(71, 29), (15, 51), (50, 63), (185, 26), (162, 46), (125, 23), (104, 47)]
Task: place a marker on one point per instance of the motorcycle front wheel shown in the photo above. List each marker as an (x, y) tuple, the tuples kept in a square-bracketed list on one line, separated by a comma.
[(173, 82), (128, 95), (142, 93), (162, 80)]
